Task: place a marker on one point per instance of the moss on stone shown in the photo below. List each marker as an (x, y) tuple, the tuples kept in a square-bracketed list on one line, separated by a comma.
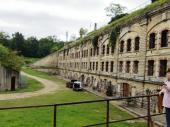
[(110, 27)]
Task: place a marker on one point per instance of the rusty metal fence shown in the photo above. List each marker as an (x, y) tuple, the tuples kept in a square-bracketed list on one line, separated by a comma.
[(107, 122)]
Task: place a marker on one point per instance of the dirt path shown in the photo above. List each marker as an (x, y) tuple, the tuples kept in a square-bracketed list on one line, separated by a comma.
[(49, 87)]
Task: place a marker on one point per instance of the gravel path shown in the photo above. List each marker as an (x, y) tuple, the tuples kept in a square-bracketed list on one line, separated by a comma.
[(49, 87)]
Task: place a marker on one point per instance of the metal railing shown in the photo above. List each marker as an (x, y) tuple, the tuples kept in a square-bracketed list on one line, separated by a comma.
[(107, 122)]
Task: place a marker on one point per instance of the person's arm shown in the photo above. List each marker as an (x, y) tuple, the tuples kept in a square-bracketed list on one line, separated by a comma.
[(166, 87), (162, 91)]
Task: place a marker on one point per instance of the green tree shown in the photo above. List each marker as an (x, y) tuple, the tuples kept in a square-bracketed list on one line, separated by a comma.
[(3, 52), (4, 39), (114, 10), (45, 45), (18, 42), (31, 47), (153, 1), (82, 32), (57, 46), (9, 59)]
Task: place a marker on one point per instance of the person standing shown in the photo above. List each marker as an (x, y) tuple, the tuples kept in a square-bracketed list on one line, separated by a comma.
[(165, 91)]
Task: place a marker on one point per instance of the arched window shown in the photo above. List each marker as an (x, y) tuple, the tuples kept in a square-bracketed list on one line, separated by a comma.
[(135, 66), (96, 66), (94, 52), (111, 66), (129, 45), (108, 49), (97, 50), (150, 67), (120, 66), (164, 38), (162, 68), (90, 65), (152, 41), (127, 66), (87, 52), (93, 65), (91, 52), (102, 67), (121, 46), (103, 52), (107, 66), (137, 42)]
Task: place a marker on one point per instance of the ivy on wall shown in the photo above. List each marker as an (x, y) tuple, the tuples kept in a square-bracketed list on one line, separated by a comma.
[(95, 41), (114, 36), (117, 17), (125, 18)]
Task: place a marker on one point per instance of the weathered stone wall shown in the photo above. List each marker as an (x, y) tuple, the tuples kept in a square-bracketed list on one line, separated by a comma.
[(50, 61), (6, 76), (71, 63)]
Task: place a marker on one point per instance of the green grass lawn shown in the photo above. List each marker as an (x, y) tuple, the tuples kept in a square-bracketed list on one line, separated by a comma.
[(29, 60), (30, 86), (67, 116)]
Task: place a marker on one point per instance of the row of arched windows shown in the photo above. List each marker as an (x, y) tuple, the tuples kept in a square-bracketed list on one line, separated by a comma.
[(152, 41), (128, 66), (163, 41), (129, 45)]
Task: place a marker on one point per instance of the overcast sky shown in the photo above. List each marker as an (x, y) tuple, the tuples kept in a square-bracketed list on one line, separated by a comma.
[(42, 18)]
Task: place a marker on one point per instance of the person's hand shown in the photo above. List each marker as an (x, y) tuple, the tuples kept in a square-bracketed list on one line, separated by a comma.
[(160, 93), (164, 87)]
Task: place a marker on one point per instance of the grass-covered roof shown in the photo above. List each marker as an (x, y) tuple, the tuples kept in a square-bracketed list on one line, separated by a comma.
[(117, 22), (9, 59)]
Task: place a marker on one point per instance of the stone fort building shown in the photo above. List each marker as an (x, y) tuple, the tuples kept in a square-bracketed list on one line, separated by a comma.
[(136, 62), (9, 79)]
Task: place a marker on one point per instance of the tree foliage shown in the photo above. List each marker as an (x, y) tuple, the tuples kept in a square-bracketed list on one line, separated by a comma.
[(114, 10), (82, 32), (95, 41), (153, 1), (117, 17), (9, 59), (18, 42), (114, 36), (4, 39), (31, 47), (3, 52)]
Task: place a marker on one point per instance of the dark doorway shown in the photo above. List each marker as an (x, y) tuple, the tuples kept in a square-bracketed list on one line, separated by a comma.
[(13, 83), (126, 90), (82, 78)]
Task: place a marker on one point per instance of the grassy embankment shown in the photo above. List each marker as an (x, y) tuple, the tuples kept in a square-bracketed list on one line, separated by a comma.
[(68, 116)]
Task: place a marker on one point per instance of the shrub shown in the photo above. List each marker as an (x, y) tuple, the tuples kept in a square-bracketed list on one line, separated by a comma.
[(109, 91), (9, 59)]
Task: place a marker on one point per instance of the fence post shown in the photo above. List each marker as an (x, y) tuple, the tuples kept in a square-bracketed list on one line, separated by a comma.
[(149, 111), (107, 114), (55, 117)]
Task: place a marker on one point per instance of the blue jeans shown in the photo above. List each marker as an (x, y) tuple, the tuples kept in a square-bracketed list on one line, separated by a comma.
[(168, 116)]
